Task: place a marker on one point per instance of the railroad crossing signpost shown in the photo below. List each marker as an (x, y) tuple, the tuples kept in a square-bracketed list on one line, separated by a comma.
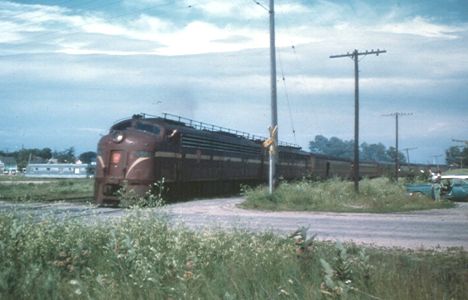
[(355, 57), (274, 112)]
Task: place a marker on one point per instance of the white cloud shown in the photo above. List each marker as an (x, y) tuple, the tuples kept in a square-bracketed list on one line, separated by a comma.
[(202, 36), (422, 27), (229, 9), (291, 8)]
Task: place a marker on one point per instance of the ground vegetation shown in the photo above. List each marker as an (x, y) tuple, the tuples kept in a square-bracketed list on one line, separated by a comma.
[(142, 257)]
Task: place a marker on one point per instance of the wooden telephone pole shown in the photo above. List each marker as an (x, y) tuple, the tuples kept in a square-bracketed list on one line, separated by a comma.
[(407, 152), (355, 57), (397, 156)]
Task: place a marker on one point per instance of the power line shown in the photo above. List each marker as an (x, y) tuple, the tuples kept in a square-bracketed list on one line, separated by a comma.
[(261, 5), (287, 97), (355, 57)]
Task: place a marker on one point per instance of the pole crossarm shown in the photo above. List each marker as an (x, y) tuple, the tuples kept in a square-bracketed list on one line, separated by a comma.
[(409, 149), (407, 152), (397, 114), (357, 53)]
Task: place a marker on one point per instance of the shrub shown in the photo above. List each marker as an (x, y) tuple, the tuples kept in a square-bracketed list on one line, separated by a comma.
[(152, 198), (141, 257), (376, 195)]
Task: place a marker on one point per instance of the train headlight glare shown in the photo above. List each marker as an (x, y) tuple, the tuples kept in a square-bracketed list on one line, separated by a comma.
[(117, 136)]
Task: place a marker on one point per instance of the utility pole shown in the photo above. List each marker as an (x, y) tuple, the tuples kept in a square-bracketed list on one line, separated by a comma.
[(461, 161), (461, 147), (397, 156), (435, 159), (355, 57), (407, 152), (274, 111)]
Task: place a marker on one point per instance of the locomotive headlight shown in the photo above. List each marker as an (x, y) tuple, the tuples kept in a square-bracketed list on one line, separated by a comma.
[(117, 136)]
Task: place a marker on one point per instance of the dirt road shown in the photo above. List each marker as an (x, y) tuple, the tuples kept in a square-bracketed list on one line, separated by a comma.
[(423, 229)]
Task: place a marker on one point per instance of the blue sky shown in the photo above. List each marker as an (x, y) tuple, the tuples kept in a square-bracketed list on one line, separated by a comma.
[(69, 69)]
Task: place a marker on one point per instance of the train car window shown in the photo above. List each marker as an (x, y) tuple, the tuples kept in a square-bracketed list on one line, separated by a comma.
[(148, 128)]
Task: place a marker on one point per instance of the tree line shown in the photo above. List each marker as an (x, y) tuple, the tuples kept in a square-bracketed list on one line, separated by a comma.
[(345, 149), (24, 156), (457, 155), (454, 156)]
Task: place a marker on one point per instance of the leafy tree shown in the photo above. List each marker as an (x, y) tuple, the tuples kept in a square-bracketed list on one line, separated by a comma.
[(45, 153), (24, 156), (333, 146), (87, 157), (345, 149), (374, 152), (457, 155), (391, 152), (319, 145), (66, 156)]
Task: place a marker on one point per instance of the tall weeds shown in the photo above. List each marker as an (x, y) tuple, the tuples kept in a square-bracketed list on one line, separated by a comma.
[(47, 191), (376, 195), (142, 257)]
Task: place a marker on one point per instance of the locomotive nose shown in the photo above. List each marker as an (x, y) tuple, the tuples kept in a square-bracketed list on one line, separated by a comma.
[(125, 159)]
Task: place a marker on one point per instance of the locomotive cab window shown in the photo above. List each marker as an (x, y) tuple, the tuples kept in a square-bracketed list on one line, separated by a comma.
[(122, 125), (154, 129)]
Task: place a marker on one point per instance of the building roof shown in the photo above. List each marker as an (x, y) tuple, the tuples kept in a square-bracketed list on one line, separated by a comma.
[(8, 161)]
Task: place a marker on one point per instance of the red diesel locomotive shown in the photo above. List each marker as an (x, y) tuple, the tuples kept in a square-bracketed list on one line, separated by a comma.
[(194, 158)]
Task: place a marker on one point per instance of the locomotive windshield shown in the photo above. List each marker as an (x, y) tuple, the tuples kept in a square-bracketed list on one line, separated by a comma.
[(122, 125), (154, 129)]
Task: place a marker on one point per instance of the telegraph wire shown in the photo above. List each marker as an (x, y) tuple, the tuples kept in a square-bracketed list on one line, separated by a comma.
[(287, 96), (261, 5)]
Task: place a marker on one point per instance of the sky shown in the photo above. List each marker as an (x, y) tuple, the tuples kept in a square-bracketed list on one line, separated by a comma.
[(71, 69)]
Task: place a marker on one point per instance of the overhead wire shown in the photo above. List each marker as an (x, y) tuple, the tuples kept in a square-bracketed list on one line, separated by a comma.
[(288, 101), (287, 97), (261, 5)]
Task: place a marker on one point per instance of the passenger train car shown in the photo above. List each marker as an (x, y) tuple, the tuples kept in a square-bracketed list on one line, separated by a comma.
[(195, 158)]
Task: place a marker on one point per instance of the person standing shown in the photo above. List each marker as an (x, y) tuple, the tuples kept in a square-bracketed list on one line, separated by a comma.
[(436, 187)]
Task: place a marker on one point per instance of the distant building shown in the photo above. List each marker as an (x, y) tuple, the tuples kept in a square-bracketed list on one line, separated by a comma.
[(8, 165), (58, 170)]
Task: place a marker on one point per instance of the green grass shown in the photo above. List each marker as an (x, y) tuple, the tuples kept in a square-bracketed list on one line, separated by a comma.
[(376, 195), (142, 257), (457, 172), (18, 178), (48, 190)]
